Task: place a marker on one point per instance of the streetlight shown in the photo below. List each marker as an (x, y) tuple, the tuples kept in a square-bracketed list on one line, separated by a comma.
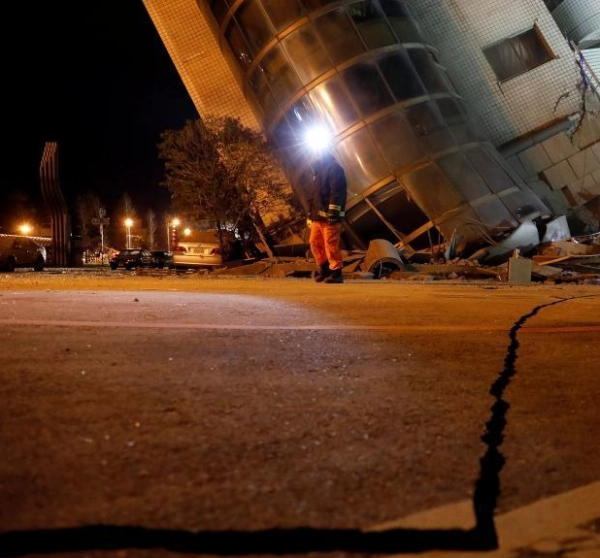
[(128, 223), (25, 229), (187, 232)]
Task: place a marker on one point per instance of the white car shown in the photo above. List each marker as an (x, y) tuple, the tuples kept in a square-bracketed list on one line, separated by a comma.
[(204, 251), (21, 251)]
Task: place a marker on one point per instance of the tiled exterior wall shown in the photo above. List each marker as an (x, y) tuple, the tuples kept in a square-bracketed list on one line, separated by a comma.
[(198, 60), (567, 167), (460, 29)]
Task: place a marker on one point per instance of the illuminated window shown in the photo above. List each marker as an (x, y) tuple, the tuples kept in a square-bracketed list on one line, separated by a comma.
[(519, 54)]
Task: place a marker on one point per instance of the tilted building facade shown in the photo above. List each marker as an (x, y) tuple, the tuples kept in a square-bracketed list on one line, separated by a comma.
[(433, 105)]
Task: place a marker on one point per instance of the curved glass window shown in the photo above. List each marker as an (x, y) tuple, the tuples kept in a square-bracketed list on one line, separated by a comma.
[(367, 88), (429, 126), (238, 45), (253, 21), (394, 203), (262, 92), (306, 53), (464, 222), (400, 21), (284, 13), (395, 8), (332, 101), (460, 171), (427, 70), (432, 191), (371, 24), (396, 141), (302, 112), (493, 174), (494, 215), (316, 4), (368, 224), (450, 111), (400, 75), (219, 8), (456, 119), (338, 34), (281, 76), (360, 158)]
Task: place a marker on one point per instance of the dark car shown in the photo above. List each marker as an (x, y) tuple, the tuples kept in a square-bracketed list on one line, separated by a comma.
[(131, 258), (161, 259), (21, 251)]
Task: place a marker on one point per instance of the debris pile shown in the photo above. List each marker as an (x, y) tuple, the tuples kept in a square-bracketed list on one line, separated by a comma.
[(571, 261)]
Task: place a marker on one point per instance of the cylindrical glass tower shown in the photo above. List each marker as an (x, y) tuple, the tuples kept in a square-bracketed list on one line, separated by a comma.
[(362, 68)]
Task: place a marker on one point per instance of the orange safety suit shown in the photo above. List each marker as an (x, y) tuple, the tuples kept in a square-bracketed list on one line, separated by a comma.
[(327, 210)]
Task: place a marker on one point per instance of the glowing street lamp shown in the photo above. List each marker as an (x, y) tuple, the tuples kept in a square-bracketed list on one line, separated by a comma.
[(25, 229), (187, 232), (128, 223)]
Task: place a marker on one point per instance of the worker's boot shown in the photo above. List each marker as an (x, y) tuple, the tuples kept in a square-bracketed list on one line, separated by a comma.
[(335, 276), (322, 273)]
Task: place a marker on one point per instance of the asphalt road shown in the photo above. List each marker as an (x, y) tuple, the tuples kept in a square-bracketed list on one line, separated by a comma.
[(160, 416)]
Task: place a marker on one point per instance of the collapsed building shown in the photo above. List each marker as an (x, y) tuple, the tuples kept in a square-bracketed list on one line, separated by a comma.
[(469, 124)]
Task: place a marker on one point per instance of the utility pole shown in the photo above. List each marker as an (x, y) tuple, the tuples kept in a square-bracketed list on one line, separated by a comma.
[(101, 221)]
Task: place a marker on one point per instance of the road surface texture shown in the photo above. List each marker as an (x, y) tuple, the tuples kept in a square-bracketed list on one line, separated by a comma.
[(169, 416)]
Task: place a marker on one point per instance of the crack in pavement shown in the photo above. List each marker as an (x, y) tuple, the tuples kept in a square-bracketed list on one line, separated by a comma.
[(482, 537)]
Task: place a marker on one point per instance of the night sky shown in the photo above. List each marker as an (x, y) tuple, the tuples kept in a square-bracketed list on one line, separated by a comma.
[(95, 78)]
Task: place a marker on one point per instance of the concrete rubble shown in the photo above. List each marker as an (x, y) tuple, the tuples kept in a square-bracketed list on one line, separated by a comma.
[(564, 261)]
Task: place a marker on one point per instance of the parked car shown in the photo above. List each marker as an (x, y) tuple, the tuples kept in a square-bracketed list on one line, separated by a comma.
[(205, 251), (131, 258), (21, 251), (162, 259)]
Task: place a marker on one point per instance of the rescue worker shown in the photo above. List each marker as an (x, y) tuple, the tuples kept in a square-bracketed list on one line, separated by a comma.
[(326, 211)]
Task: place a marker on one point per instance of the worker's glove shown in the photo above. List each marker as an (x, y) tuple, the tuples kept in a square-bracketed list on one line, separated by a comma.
[(309, 223), (333, 216)]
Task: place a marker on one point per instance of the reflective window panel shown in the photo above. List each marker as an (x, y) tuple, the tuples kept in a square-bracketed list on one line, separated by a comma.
[(397, 141), (397, 207), (368, 90), (463, 175), (372, 25), (332, 101), (338, 34), (465, 224), (400, 21), (262, 92), (429, 126), (368, 225), (496, 179), (494, 216), (283, 13), (306, 53), (219, 9), (400, 75), (256, 27), (279, 73), (432, 191), (311, 5), (239, 46), (359, 156), (427, 70)]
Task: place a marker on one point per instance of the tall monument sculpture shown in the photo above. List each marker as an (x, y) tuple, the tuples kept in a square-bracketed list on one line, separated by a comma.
[(59, 216)]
